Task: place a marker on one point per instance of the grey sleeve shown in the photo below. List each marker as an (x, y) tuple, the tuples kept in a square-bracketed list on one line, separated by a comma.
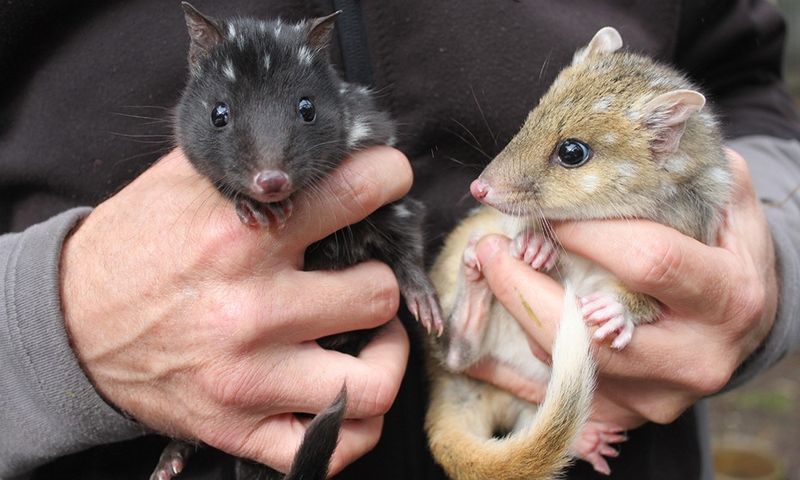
[(48, 407), (775, 167)]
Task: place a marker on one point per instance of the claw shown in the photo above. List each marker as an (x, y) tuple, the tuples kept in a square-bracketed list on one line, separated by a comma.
[(425, 308), (472, 267), (254, 214), (172, 460)]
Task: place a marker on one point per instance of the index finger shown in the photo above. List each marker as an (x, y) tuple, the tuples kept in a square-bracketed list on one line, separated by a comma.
[(373, 378), (363, 183), (680, 271)]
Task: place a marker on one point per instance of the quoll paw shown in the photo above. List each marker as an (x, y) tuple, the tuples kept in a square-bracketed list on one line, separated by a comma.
[(535, 249), (172, 460), (594, 444), (424, 305), (605, 310), (472, 268), (254, 214)]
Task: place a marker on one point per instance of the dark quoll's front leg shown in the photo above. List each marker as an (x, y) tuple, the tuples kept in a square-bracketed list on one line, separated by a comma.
[(393, 235)]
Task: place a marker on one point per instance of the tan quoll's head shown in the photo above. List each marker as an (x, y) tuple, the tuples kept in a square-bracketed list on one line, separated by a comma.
[(602, 140)]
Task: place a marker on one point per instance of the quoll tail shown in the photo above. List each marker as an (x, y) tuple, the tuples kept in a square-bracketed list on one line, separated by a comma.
[(312, 460), (465, 446)]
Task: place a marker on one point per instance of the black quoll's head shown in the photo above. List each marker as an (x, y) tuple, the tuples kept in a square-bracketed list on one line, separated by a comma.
[(261, 113)]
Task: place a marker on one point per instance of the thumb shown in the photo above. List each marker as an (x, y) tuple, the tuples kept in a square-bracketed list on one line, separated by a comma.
[(532, 298)]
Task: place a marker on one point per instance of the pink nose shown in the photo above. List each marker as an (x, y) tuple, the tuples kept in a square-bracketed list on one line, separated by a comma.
[(272, 181), (479, 189)]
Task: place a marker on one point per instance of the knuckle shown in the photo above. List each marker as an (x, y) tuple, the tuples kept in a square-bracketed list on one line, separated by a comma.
[(711, 377), (752, 302), (378, 397), (660, 264), (666, 413), (230, 388), (385, 299), (364, 194)]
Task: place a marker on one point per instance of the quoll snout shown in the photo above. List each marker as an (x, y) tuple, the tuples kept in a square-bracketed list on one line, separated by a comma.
[(271, 186)]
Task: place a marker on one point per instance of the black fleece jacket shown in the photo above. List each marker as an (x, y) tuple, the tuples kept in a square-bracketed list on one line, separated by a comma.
[(86, 90)]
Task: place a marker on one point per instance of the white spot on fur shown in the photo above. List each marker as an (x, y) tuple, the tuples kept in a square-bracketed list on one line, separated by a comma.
[(603, 104), (670, 189), (231, 31), (678, 163), (278, 29), (590, 182), (718, 176), (358, 132), (626, 170), (392, 141), (304, 55), (343, 90), (204, 104), (262, 27), (609, 138), (228, 71), (402, 211), (267, 61), (363, 90)]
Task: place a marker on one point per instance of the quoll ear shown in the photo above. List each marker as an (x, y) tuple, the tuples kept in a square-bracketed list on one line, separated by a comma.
[(606, 40), (204, 33), (319, 34), (666, 116)]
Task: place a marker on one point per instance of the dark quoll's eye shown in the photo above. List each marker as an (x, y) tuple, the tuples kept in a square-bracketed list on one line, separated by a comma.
[(220, 115), (305, 108), (573, 153)]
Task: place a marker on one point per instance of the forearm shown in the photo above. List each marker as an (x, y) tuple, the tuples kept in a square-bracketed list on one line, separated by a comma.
[(48, 407), (775, 168)]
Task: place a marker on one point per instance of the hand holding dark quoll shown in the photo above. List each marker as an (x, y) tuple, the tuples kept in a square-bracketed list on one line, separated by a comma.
[(202, 327)]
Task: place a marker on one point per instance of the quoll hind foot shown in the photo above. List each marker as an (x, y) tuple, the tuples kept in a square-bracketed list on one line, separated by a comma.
[(594, 444), (172, 460), (272, 214), (605, 310), (535, 249), (467, 322), (472, 267)]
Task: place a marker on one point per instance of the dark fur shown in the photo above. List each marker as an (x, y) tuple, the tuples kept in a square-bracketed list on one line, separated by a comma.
[(228, 64)]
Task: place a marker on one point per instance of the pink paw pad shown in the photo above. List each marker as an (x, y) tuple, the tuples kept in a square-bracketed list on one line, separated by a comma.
[(594, 444), (605, 310), (535, 249)]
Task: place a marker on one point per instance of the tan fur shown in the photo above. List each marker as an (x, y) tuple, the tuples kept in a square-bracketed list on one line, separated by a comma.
[(644, 307), (618, 104), (464, 414)]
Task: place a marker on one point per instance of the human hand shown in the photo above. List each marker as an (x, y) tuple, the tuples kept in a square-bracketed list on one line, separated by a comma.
[(203, 328), (719, 304)]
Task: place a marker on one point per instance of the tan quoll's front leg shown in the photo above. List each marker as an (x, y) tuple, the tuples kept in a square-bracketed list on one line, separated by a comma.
[(617, 313)]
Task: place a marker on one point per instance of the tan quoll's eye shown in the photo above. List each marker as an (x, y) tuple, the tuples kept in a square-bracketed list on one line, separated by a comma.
[(572, 153)]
